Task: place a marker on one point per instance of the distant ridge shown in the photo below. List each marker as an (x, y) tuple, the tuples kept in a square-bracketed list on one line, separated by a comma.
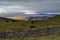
[(22, 17), (33, 16)]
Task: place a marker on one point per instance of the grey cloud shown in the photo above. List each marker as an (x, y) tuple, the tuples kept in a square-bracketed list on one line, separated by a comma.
[(35, 4), (50, 5), (29, 0)]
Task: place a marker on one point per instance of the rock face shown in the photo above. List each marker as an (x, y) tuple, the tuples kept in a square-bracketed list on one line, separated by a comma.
[(30, 33)]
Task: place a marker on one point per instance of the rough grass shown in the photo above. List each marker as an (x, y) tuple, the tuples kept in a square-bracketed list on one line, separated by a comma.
[(5, 26), (26, 24)]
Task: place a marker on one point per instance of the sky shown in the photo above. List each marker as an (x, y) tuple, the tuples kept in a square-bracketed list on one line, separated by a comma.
[(9, 7)]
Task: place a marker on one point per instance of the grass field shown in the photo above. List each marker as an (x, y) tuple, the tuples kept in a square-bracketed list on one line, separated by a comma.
[(5, 26), (26, 24)]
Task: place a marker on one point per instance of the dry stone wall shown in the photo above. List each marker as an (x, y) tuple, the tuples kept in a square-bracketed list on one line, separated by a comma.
[(31, 32)]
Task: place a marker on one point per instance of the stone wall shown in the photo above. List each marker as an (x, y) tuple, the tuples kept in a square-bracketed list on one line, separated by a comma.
[(31, 32)]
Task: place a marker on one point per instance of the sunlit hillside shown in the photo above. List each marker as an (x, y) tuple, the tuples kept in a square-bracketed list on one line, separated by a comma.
[(18, 17)]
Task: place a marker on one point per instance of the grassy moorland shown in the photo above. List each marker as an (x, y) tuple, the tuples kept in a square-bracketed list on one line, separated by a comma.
[(5, 24)]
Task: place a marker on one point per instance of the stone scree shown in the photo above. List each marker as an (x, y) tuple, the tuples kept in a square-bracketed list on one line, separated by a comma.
[(30, 33)]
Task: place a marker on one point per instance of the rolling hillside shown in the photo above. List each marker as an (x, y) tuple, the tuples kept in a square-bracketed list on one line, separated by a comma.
[(9, 24)]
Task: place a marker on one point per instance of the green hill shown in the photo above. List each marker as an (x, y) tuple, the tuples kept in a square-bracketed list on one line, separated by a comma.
[(9, 24)]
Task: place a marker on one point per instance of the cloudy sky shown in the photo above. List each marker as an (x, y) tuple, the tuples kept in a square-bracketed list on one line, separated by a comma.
[(8, 7)]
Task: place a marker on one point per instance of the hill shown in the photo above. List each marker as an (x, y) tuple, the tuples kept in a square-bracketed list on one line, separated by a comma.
[(10, 24)]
